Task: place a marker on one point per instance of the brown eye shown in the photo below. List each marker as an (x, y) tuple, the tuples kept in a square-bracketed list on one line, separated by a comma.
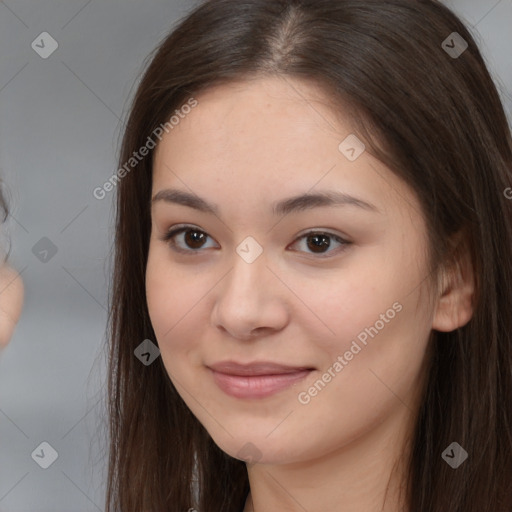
[(318, 242), (193, 240)]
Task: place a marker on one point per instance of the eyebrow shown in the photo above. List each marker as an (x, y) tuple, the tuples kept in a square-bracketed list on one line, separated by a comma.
[(283, 207)]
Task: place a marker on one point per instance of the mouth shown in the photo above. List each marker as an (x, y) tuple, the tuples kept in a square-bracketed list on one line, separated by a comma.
[(256, 380)]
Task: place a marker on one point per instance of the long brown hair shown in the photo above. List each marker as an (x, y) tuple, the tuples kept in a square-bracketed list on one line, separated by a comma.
[(437, 121)]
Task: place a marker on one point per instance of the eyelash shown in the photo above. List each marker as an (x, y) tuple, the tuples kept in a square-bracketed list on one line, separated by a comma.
[(172, 233)]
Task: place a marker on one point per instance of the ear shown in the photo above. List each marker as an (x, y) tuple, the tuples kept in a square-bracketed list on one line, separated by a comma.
[(454, 307)]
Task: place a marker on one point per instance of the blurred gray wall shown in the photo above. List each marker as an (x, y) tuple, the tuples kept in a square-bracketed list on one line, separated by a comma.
[(59, 130)]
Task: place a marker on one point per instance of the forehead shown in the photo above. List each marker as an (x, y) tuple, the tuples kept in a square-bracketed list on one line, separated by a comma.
[(241, 118), (265, 137)]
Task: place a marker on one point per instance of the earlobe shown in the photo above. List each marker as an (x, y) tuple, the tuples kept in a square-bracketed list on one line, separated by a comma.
[(454, 307)]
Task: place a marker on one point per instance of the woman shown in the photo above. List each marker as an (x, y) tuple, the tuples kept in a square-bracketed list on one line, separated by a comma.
[(11, 293), (312, 228)]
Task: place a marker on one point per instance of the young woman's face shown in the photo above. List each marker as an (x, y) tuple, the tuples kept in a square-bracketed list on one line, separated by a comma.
[(314, 314)]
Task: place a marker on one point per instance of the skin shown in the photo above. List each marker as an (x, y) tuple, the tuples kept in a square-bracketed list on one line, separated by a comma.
[(245, 146), (11, 302)]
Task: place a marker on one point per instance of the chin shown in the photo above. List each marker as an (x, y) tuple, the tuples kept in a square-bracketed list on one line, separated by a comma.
[(259, 449)]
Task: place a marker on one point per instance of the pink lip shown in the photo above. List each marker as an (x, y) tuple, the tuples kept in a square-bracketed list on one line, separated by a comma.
[(256, 380)]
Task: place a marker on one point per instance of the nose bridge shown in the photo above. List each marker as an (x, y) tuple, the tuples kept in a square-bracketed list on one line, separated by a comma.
[(249, 269), (247, 300)]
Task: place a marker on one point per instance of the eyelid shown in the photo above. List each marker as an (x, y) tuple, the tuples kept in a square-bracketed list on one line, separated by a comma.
[(324, 231)]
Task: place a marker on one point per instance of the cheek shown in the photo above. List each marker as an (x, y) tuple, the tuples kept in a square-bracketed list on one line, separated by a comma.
[(166, 294), (376, 319), (175, 300), (347, 303), (361, 384), (373, 362)]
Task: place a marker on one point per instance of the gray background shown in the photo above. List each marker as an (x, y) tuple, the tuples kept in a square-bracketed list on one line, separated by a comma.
[(59, 133)]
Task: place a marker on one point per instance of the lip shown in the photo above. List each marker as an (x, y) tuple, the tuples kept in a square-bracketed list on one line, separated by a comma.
[(256, 380)]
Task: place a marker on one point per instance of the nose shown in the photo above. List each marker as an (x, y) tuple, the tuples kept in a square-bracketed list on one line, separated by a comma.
[(250, 301)]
